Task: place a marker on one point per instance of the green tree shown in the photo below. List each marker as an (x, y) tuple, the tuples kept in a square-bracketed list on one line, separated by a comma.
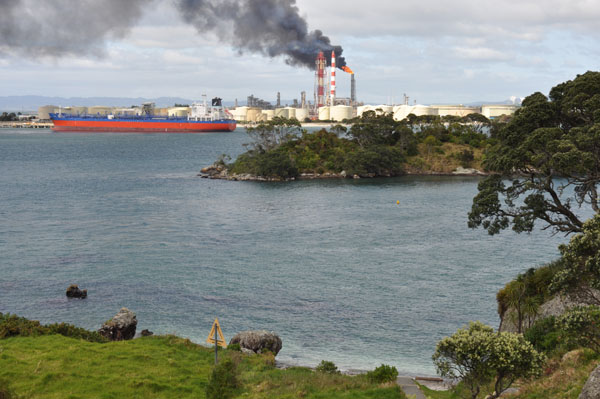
[(550, 152), (430, 142), (583, 325), (269, 135), (327, 367), (477, 355), (580, 275)]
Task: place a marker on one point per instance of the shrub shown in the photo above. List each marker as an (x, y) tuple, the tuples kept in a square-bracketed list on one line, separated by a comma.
[(223, 380), (478, 355), (465, 157), (383, 373), (235, 347), (12, 325), (327, 367), (582, 324), (546, 336)]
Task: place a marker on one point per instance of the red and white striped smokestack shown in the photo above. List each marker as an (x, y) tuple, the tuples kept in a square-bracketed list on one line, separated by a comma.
[(332, 78)]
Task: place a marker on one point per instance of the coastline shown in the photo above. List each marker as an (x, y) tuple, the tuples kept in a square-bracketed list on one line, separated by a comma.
[(220, 172)]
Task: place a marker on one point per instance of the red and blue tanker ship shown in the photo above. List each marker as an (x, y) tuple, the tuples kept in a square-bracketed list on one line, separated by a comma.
[(201, 118)]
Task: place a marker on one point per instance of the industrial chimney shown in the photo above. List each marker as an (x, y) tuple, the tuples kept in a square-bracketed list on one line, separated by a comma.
[(332, 78)]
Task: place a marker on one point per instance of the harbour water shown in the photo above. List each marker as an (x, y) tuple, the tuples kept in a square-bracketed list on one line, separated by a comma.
[(337, 268)]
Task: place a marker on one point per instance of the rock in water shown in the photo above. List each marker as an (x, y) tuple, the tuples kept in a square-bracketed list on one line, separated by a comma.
[(74, 292), (147, 333), (257, 341), (120, 327), (591, 389)]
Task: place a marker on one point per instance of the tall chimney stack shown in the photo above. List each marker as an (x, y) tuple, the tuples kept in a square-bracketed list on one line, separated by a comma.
[(332, 78), (352, 90)]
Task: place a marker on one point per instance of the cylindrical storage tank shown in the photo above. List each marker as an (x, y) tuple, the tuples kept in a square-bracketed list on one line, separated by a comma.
[(239, 113), (100, 109), (282, 112), (268, 113), (324, 114), (252, 115), (340, 112), (157, 111), (78, 110), (301, 114), (402, 111), (178, 112), (362, 109), (44, 112), (386, 109), (291, 112)]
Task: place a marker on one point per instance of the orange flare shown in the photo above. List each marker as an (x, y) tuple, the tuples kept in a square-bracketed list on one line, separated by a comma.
[(346, 69)]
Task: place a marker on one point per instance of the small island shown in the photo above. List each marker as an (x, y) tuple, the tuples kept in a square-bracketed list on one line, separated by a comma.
[(372, 145)]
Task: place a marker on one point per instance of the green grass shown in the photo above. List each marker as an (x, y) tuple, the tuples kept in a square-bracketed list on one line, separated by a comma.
[(54, 366)]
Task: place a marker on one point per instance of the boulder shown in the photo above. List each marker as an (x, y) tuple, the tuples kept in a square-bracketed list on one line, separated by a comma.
[(74, 292), (146, 333), (120, 327), (258, 341), (591, 389)]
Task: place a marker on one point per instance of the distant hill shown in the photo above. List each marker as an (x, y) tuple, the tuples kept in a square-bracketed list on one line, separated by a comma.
[(32, 103)]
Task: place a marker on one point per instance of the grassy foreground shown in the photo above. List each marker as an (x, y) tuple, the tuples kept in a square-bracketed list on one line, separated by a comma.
[(54, 366)]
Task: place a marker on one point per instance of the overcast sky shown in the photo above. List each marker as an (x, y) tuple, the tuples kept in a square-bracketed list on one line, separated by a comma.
[(436, 51)]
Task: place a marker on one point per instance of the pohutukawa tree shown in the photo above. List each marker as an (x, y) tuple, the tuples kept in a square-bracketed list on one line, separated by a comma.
[(545, 164)]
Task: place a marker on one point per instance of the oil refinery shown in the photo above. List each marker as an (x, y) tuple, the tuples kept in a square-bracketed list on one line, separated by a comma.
[(326, 105)]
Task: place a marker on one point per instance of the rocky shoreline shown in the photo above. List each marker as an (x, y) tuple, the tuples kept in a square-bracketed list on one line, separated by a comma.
[(220, 172)]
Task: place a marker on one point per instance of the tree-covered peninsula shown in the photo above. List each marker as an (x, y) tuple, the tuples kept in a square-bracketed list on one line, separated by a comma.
[(374, 145)]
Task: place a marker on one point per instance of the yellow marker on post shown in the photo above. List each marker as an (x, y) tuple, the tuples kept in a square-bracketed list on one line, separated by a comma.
[(215, 336)]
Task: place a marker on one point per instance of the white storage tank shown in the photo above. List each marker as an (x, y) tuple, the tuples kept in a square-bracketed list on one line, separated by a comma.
[(44, 112), (494, 111), (340, 112), (301, 114), (268, 113), (291, 112), (78, 110), (253, 114), (386, 109), (239, 113), (282, 112), (324, 114), (179, 112), (456, 110), (100, 110), (402, 111)]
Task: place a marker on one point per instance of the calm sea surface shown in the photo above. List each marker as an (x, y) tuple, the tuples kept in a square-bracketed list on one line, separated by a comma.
[(336, 268)]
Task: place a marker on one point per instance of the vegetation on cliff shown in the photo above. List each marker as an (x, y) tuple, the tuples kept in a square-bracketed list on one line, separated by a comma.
[(375, 145), (545, 166)]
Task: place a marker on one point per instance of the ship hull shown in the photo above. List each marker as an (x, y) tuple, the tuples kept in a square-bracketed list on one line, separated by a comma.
[(141, 126)]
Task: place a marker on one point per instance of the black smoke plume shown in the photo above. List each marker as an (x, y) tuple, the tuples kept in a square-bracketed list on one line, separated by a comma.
[(35, 28), (269, 27)]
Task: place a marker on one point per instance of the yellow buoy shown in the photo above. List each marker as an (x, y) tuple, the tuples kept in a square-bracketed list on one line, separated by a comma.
[(397, 202)]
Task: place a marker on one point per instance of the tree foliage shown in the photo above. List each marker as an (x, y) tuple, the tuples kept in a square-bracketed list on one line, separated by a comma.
[(582, 324), (271, 134), (477, 355), (550, 152), (580, 275)]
